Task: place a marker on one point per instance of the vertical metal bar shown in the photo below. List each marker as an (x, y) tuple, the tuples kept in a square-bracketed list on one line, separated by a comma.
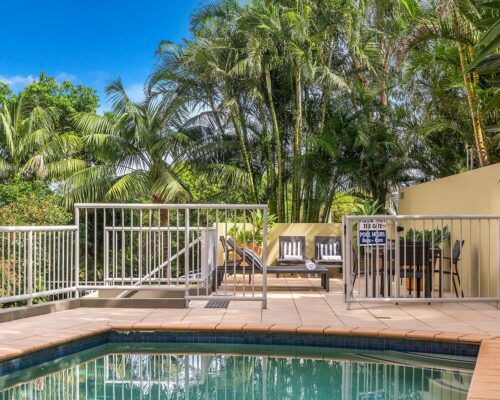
[(264, 258), (106, 257), (470, 258), (397, 264), (424, 263), (460, 281), (131, 274), (498, 262), (140, 247), (30, 267), (123, 246), (244, 244), (348, 250), (235, 230), (3, 264), (479, 249), (451, 256), (226, 254), (113, 247), (405, 260), (186, 254), (489, 257)]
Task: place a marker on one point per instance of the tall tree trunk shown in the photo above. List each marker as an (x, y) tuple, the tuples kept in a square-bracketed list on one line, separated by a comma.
[(244, 151), (297, 146), (476, 122), (271, 169), (280, 201), (328, 204)]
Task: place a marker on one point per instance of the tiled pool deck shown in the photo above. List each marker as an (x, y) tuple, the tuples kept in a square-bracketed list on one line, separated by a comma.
[(294, 305)]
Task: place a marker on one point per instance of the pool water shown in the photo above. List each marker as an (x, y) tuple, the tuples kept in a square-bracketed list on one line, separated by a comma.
[(211, 371)]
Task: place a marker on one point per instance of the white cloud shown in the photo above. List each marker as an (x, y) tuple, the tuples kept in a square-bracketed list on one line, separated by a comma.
[(17, 81), (64, 76)]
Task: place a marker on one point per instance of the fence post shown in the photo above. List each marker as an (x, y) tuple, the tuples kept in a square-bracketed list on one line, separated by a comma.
[(77, 251), (264, 259), (348, 265), (186, 255), (30, 268), (498, 263)]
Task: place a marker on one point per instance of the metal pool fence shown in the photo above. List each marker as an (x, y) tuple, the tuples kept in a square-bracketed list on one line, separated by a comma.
[(426, 258), (200, 250), (37, 263)]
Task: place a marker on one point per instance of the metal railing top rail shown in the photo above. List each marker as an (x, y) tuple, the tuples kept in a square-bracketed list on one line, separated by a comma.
[(173, 206), (181, 228), (423, 216), (38, 228)]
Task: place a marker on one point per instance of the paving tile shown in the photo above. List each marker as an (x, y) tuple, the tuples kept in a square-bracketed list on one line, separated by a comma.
[(394, 333), (473, 338), (315, 329), (175, 326), (223, 326), (450, 336), (366, 331), (425, 335), (203, 326), (284, 327), (337, 330), (263, 327)]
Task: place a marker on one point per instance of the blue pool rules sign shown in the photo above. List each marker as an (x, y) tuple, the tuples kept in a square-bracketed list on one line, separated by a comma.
[(372, 232)]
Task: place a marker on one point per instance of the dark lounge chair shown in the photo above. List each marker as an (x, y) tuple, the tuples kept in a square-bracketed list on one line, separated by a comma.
[(245, 261)]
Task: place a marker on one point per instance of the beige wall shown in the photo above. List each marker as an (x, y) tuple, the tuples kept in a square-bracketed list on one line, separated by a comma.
[(471, 192)]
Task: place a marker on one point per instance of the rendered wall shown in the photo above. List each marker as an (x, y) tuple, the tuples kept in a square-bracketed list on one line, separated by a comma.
[(475, 192), (471, 192)]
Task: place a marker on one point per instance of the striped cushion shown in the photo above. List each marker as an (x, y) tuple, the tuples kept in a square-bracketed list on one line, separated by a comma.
[(253, 259)]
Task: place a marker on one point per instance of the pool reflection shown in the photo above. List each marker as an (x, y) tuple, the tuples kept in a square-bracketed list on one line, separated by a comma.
[(196, 376)]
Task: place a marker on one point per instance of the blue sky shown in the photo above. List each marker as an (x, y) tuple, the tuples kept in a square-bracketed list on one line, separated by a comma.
[(88, 41)]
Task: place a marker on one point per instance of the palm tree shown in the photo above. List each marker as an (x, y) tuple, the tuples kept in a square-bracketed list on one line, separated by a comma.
[(460, 22), (140, 153), (31, 147)]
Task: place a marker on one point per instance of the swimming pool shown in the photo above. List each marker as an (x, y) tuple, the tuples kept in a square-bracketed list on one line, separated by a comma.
[(236, 371)]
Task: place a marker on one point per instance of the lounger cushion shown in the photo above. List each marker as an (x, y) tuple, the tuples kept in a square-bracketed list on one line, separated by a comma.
[(292, 250), (253, 259), (331, 258)]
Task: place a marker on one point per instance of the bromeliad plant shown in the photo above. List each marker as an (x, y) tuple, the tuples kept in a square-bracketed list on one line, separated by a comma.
[(435, 236), (254, 234)]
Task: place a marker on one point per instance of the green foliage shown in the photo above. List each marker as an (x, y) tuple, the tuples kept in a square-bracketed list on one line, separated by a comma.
[(18, 189), (31, 203), (343, 205), (5, 92), (369, 207), (139, 153), (66, 97), (254, 234), (435, 236)]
